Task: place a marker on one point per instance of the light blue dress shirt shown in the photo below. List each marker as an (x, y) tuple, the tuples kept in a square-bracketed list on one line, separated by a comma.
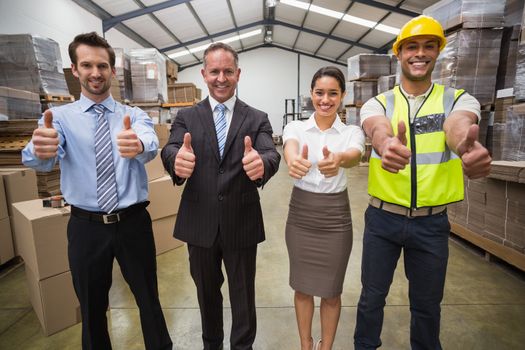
[(76, 124)]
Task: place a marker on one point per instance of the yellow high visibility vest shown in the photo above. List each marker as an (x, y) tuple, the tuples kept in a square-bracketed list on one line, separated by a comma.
[(434, 175)]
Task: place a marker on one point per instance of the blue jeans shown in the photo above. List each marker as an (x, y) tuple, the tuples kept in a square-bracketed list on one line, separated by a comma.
[(424, 241)]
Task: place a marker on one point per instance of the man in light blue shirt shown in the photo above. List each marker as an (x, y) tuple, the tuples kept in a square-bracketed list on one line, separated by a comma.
[(102, 147)]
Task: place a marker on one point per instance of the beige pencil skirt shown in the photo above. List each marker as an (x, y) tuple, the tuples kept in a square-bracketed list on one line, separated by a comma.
[(319, 241)]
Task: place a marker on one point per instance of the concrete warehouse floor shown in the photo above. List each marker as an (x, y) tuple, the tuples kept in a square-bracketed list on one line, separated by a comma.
[(483, 307)]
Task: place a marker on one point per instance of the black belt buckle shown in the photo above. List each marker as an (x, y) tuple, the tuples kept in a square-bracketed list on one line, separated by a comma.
[(111, 218)]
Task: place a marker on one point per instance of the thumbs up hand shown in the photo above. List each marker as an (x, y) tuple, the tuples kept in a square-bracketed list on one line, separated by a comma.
[(252, 161), (394, 154), (129, 144), (300, 165), (45, 139), (474, 157), (329, 165), (185, 159)]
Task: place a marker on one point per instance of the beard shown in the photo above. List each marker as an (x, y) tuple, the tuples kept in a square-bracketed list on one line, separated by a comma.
[(105, 86)]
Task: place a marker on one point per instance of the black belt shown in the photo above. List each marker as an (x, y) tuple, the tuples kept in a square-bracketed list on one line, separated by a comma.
[(102, 217)]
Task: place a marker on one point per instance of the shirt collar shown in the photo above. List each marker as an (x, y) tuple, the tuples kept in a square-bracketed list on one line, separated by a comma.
[(412, 96), (86, 103), (337, 125), (229, 103)]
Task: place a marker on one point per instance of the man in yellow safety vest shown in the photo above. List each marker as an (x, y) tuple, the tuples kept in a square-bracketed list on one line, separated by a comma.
[(424, 137)]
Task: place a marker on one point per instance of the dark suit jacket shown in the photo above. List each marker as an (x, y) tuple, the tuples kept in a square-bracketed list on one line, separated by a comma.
[(219, 196)]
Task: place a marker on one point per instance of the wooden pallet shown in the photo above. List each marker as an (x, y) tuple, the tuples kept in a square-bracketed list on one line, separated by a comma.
[(505, 253), (56, 98), (13, 143), (145, 103), (179, 104)]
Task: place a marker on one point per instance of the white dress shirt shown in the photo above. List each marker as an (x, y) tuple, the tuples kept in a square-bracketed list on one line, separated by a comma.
[(338, 138)]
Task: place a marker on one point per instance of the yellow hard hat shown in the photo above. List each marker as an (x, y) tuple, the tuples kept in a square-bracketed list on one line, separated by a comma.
[(420, 25)]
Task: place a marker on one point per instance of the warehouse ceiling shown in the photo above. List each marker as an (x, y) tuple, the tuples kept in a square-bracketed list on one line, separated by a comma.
[(332, 30)]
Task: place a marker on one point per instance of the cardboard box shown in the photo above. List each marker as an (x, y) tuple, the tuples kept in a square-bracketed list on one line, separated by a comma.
[(155, 168), (163, 133), (163, 233), (41, 236), (20, 185), (182, 92), (515, 233), (164, 197), (7, 251), (54, 301), (3, 202)]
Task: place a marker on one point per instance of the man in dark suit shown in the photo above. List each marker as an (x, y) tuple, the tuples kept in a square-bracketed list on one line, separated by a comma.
[(223, 149)]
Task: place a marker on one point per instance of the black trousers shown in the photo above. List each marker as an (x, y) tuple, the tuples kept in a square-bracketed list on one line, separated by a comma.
[(424, 243), (206, 271), (91, 249)]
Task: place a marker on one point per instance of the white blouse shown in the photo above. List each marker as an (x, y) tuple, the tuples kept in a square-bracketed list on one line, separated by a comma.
[(338, 138)]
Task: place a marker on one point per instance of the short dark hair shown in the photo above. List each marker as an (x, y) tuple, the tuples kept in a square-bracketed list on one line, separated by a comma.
[(221, 46), (91, 39), (333, 72)]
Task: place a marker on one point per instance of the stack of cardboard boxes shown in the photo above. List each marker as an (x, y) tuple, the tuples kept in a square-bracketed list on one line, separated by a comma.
[(123, 74), (364, 70), (471, 58), (493, 212), (164, 199), (148, 76), (32, 63), (183, 93), (41, 235), (7, 251), (19, 104)]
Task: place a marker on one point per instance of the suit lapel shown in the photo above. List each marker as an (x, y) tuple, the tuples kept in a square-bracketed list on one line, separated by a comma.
[(205, 114), (239, 115)]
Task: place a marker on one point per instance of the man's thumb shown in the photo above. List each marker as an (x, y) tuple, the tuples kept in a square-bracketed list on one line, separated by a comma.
[(401, 132), (127, 122), (472, 137), (48, 119), (304, 153), (247, 144), (187, 140), (326, 152)]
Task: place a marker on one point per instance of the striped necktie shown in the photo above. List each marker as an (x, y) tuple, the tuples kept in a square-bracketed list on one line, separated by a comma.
[(106, 184), (220, 127)]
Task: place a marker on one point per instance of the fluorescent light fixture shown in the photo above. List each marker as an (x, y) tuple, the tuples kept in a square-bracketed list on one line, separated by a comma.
[(226, 41), (339, 15)]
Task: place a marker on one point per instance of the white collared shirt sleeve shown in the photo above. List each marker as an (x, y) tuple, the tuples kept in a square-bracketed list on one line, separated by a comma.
[(469, 103), (371, 108)]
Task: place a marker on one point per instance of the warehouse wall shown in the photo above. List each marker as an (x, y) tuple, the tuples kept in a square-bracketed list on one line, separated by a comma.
[(59, 20), (268, 77)]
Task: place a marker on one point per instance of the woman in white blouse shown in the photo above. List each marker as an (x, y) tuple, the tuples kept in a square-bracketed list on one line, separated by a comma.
[(319, 225)]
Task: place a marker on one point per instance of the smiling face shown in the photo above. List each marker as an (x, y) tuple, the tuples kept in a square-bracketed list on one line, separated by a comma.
[(326, 96), (94, 72), (418, 56), (221, 74)]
